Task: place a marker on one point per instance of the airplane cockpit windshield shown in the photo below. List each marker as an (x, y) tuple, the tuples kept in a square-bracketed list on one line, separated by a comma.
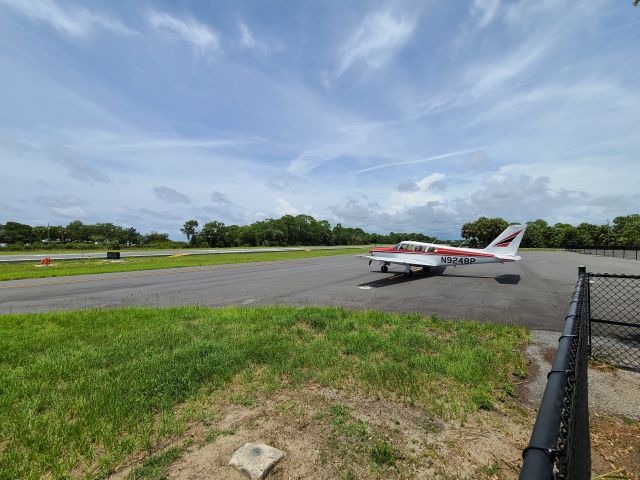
[(398, 246)]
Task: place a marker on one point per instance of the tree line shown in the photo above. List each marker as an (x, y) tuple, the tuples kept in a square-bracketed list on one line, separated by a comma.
[(288, 230), (624, 230), (76, 235), (292, 230)]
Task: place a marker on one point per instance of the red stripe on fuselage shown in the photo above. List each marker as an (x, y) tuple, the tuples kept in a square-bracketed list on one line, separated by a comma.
[(440, 251)]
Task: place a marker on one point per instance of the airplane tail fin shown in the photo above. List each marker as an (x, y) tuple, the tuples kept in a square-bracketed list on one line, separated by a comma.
[(507, 242)]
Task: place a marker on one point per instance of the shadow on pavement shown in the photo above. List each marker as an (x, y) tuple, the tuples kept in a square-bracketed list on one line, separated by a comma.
[(397, 278), (506, 279)]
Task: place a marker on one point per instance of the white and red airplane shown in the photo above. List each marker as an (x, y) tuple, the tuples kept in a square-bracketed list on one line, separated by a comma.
[(429, 255)]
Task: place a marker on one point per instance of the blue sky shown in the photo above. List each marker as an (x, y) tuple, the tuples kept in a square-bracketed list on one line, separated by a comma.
[(390, 116)]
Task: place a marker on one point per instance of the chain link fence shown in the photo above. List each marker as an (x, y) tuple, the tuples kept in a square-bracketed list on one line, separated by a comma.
[(631, 252), (604, 322), (614, 333), (560, 446)]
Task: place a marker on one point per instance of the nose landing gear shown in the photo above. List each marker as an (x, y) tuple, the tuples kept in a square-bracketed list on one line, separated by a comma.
[(384, 268)]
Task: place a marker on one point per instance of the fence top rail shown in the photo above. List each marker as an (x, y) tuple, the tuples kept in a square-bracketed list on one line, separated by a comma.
[(545, 444), (613, 275), (610, 247)]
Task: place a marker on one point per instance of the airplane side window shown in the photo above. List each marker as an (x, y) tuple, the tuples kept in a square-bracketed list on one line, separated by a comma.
[(431, 249)]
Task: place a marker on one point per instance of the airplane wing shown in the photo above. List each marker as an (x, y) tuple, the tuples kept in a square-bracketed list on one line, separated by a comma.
[(418, 262)]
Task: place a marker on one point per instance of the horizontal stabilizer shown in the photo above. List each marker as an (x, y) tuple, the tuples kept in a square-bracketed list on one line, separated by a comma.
[(508, 258)]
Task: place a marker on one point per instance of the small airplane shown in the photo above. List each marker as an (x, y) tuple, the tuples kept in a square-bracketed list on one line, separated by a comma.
[(429, 255)]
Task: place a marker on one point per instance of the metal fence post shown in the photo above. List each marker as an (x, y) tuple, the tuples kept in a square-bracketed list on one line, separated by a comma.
[(587, 299)]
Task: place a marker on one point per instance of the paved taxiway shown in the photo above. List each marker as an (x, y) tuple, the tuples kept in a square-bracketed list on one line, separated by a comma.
[(534, 292)]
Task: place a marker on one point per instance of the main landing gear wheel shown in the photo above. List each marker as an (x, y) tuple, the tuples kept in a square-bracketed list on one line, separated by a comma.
[(426, 269), (384, 269)]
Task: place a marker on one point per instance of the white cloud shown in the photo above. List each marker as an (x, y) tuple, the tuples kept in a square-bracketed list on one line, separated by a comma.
[(421, 160), (283, 207), (78, 167), (422, 195), (376, 41), (170, 195), (310, 159), (205, 40), (69, 212), (72, 20), (486, 78), (246, 37), (484, 11)]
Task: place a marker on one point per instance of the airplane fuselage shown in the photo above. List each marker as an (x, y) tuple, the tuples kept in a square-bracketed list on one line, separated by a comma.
[(427, 255), (435, 255)]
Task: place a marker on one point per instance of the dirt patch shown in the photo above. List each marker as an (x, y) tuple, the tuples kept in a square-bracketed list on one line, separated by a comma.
[(615, 446), (330, 434)]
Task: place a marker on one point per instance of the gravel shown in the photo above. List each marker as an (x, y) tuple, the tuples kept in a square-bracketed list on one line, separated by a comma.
[(611, 391)]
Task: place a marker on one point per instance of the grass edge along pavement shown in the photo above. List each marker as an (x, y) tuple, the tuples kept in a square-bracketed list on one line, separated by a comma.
[(103, 249), (64, 268), (82, 391)]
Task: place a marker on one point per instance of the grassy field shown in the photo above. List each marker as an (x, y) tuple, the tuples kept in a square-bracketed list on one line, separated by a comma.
[(103, 249), (62, 268), (82, 391)]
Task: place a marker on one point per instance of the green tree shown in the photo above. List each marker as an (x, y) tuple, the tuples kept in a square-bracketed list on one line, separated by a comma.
[(213, 233), (155, 237), (626, 230), (14, 232), (190, 229), (538, 234), (481, 232), (562, 234), (77, 232)]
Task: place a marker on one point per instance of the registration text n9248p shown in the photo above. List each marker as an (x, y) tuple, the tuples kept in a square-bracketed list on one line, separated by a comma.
[(457, 260)]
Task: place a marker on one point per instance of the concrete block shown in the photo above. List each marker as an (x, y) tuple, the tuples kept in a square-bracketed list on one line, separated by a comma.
[(256, 459)]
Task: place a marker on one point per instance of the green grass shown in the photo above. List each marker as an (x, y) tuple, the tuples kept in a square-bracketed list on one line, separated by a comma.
[(104, 248), (153, 467), (383, 453), (81, 391), (63, 268)]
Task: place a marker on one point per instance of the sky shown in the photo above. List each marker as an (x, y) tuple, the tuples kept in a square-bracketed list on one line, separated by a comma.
[(390, 116)]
